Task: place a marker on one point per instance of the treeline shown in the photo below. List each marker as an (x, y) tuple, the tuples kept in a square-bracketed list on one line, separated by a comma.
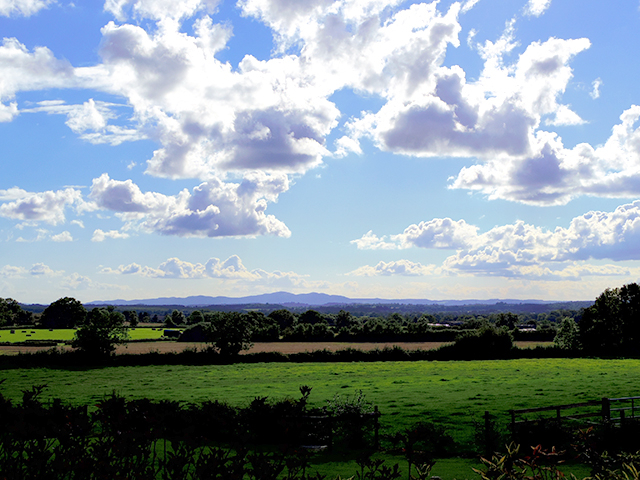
[(309, 325), (284, 325)]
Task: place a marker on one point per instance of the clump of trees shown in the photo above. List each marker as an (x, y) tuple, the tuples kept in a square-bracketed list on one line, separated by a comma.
[(11, 313), (611, 326)]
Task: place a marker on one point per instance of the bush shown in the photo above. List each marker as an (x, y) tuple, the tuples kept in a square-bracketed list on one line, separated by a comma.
[(485, 343)]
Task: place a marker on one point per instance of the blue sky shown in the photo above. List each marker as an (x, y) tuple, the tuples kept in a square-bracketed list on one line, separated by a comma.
[(396, 149)]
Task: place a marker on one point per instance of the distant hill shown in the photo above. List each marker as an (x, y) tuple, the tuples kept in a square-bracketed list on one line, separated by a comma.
[(312, 299)]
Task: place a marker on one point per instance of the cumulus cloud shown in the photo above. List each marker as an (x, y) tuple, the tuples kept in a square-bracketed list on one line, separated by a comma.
[(212, 209), (537, 7), (400, 267), (10, 271), (230, 269), (40, 269), (32, 207), (24, 71), (62, 237), (101, 236), (158, 9), (215, 121), (22, 7), (521, 249), (371, 241)]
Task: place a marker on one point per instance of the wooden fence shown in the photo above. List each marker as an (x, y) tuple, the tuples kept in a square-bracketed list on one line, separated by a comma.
[(608, 410)]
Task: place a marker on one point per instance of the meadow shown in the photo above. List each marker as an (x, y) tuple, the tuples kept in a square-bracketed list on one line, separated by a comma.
[(453, 394), (66, 334)]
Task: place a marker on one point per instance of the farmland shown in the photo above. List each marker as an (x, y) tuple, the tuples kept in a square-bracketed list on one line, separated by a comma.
[(66, 334), (453, 394)]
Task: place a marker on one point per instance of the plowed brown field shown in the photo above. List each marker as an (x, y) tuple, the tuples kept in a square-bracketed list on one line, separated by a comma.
[(284, 347)]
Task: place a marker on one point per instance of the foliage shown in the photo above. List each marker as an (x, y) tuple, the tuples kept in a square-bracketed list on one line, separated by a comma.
[(231, 333), (486, 342), (11, 313), (567, 337), (101, 332), (539, 465), (65, 312), (611, 325)]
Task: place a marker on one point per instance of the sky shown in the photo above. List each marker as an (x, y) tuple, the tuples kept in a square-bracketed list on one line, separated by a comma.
[(476, 149)]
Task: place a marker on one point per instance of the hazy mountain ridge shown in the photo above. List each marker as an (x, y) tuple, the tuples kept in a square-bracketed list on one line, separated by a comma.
[(304, 299)]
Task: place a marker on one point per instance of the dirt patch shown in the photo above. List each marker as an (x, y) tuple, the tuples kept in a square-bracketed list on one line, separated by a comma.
[(283, 347)]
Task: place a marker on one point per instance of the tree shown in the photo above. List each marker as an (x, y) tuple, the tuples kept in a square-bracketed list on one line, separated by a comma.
[(231, 332), (178, 318), (11, 313), (195, 317), (567, 336), (101, 332), (132, 317), (601, 326), (284, 317), (65, 312), (312, 317), (611, 326)]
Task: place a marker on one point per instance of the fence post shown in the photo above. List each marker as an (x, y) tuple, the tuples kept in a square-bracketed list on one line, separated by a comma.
[(606, 409)]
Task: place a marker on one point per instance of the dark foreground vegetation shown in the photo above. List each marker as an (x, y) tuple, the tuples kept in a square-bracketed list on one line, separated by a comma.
[(269, 440)]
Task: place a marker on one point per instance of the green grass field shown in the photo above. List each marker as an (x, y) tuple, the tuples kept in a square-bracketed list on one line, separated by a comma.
[(452, 393), (66, 334)]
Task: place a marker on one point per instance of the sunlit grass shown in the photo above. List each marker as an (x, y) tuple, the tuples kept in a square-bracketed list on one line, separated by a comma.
[(66, 334), (451, 393)]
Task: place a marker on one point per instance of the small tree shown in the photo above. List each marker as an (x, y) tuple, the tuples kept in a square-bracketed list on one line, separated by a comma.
[(567, 336), (231, 332), (178, 318), (131, 316), (101, 332)]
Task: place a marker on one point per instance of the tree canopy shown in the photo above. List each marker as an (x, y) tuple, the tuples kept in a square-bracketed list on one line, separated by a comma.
[(101, 332), (65, 312)]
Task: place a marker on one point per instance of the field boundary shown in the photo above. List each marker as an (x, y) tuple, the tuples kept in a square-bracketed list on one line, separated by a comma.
[(607, 410)]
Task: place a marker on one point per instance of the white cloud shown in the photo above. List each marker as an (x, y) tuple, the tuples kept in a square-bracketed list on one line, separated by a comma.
[(400, 267), (8, 112), (213, 209), (158, 9), (370, 241), (522, 249), (216, 121), (438, 233), (468, 5), (24, 71), (11, 271), (62, 237), (40, 269), (46, 206), (23, 7), (595, 88), (79, 223), (101, 236), (537, 7), (555, 175), (230, 269)]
